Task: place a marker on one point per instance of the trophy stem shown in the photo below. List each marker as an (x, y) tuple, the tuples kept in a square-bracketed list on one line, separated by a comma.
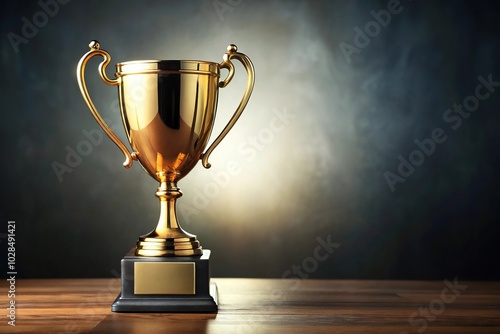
[(168, 238)]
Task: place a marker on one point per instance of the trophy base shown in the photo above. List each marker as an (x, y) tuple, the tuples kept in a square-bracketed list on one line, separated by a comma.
[(166, 284)]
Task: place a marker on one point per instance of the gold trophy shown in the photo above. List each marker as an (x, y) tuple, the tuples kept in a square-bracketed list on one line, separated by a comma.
[(168, 111)]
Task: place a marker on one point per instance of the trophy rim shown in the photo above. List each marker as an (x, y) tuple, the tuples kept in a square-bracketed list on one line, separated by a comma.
[(168, 66), (129, 62)]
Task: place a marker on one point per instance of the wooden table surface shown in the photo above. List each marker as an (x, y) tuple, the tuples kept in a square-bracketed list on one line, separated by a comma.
[(265, 306)]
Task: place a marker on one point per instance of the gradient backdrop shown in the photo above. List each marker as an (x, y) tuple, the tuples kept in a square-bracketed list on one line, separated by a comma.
[(346, 92)]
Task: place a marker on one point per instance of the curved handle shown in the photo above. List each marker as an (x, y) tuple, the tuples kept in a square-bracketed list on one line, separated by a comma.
[(232, 52), (80, 73)]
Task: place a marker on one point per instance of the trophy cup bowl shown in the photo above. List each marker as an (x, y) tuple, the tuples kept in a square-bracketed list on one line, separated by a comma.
[(168, 110)]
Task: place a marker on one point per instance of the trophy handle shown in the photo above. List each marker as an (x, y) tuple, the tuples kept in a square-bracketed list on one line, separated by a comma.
[(80, 72), (226, 63)]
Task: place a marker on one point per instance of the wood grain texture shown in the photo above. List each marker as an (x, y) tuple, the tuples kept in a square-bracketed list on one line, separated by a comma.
[(266, 306)]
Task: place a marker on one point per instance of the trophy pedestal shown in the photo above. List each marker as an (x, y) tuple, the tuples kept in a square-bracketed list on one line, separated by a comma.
[(166, 284)]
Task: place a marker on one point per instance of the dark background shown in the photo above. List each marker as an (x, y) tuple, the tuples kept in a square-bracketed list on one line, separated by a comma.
[(315, 173)]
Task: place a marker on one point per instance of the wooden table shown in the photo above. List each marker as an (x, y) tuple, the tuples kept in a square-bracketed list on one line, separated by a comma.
[(265, 306)]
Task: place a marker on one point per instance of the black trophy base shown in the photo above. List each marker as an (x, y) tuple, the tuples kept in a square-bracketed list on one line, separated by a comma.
[(161, 304), (166, 285)]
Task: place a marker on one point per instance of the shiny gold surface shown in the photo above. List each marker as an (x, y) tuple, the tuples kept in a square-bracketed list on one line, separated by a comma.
[(168, 111), (167, 278)]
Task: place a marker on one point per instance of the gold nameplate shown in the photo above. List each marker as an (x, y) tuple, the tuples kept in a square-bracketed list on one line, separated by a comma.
[(164, 278)]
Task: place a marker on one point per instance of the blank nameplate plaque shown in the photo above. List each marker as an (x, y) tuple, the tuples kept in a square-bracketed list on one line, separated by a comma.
[(165, 278)]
